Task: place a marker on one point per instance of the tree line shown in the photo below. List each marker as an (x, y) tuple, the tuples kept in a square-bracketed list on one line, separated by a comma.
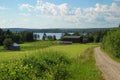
[(88, 37), (7, 38), (49, 37), (111, 42)]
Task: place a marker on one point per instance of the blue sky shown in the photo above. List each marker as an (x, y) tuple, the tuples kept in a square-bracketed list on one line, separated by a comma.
[(59, 13)]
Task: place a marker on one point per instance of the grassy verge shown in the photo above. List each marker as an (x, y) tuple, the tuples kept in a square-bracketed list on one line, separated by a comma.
[(85, 67), (111, 56)]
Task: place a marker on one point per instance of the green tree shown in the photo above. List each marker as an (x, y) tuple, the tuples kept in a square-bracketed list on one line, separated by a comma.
[(98, 36), (29, 36), (8, 34), (1, 36), (67, 34), (54, 37), (49, 38), (35, 36), (16, 38), (44, 36), (76, 34), (111, 42), (119, 26), (38, 36), (89, 37), (8, 43)]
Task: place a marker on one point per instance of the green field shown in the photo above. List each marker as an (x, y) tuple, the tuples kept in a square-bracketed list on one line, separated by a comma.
[(47, 60)]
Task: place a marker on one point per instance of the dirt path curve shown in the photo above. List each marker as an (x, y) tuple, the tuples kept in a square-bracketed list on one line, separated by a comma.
[(109, 67)]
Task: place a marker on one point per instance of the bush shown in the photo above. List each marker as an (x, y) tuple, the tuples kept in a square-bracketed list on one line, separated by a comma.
[(7, 43), (46, 66), (111, 42)]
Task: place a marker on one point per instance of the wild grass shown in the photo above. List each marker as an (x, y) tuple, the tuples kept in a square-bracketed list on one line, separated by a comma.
[(73, 50), (85, 67), (26, 49), (37, 45), (30, 46), (52, 62), (111, 55)]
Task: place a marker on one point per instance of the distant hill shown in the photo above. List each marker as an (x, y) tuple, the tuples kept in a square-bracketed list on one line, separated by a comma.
[(15, 29), (59, 30)]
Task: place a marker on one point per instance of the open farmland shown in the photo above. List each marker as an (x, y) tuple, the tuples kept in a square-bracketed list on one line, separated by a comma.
[(48, 60)]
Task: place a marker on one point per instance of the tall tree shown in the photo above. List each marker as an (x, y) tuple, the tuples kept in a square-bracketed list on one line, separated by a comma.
[(1, 36), (16, 38), (76, 34), (8, 34), (54, 37), (35, 36), (49, 37), (67, 34), (29, 36), (44, 36)]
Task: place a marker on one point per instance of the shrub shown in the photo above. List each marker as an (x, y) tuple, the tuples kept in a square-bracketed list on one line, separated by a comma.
[(46, 66), (7, 43), (111, 42)]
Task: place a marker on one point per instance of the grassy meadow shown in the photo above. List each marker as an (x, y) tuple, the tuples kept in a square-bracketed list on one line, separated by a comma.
[(48, 60)]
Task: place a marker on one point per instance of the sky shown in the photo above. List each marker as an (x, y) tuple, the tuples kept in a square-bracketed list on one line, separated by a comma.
[(40, 14)]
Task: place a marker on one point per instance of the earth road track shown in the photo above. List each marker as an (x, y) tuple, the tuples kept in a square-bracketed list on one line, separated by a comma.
[(110, 69)]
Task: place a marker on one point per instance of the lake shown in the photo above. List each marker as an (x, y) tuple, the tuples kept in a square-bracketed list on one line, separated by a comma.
[(58, 35)]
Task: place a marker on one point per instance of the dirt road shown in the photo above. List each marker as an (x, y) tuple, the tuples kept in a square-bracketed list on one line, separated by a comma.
[(109, 67)]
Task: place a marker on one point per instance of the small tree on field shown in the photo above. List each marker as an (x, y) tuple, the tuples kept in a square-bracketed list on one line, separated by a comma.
[(119, 26), (7, 43)]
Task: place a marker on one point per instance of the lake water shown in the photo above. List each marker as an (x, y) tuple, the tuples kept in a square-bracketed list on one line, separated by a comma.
[(58, 35)]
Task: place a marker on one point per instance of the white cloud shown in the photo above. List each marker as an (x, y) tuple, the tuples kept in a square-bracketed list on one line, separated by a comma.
[(24, 14), (52, 9), (97, 15), (2, 8), (3, 22), (116, 0), (26, 7), (46, 8)]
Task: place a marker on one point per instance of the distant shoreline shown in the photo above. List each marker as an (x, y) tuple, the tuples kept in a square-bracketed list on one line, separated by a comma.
[(57, 30)]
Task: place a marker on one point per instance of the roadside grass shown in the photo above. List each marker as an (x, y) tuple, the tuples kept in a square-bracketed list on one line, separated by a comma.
[(73, 50), (29, 61), (84, 66), (111, 56)]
